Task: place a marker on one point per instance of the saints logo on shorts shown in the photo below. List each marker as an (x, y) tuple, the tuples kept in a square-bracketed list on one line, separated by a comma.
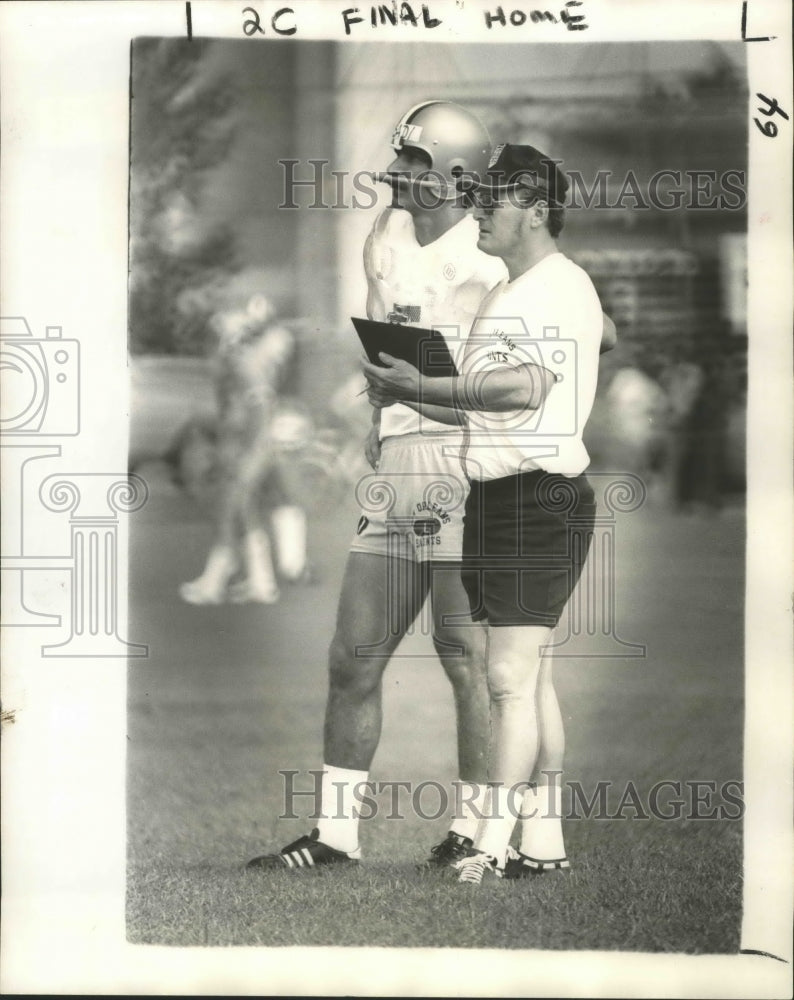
[(427, 525), (412, 507), (424, 526)]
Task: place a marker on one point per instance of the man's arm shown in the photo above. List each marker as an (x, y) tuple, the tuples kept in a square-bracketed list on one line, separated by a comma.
[(372, 442), (443, 414), (523, 387)]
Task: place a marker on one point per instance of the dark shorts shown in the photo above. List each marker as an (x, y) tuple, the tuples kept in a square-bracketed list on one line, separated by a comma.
[(525, 541)]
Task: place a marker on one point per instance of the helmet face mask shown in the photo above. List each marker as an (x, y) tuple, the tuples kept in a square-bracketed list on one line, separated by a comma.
[(453, 139), (413, 180)]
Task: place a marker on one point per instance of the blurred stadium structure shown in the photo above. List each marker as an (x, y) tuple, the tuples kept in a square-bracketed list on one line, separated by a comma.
[(210, 125)]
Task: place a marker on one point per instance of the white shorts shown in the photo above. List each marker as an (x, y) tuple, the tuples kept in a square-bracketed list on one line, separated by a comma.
[(412, 506)]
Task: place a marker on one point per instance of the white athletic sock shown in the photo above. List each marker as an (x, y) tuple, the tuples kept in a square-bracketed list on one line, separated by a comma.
[(339, 806), (289, 532), (210, 587), (541, 823), (220, 567), (470, 805), (259, 564), (496, 827)]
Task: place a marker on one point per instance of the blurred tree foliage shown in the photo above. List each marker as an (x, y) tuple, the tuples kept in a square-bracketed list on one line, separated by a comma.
[(183, 124)]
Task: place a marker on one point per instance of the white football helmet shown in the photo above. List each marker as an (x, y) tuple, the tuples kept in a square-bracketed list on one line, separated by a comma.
[(454, 139)]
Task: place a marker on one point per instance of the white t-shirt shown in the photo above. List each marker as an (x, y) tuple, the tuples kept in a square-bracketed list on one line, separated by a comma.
[(548, 316), (440, 285)]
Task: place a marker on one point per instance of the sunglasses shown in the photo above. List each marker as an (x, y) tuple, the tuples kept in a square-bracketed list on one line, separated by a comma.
[(487, 200)]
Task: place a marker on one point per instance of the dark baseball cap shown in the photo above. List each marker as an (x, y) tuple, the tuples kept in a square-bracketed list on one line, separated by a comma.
[(512, 166)]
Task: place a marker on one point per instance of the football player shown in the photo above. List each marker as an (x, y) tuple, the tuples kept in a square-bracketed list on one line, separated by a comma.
[(423, 268)]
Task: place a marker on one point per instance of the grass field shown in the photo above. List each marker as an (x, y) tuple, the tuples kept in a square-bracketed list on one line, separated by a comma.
[(231, 695)]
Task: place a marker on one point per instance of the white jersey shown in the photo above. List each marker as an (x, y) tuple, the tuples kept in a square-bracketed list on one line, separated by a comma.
[(440, 285), (548, 316)]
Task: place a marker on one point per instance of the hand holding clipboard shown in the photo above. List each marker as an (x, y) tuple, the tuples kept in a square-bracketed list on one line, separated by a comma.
[(421, 347)]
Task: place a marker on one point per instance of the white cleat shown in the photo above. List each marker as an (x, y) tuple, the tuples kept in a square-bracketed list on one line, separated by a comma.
[(245, 592), (476, 866), (210, 587), (201, 592)]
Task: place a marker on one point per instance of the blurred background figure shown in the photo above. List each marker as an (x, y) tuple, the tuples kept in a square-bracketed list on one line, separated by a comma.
[(636, 408), (257, 432), (682, 383)]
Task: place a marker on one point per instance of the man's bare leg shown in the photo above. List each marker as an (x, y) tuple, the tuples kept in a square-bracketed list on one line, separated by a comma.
[(379, 601), (542, 842), (514, 664), (461, 645)]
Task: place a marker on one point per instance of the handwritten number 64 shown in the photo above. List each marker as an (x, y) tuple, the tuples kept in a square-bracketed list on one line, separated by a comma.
[(772, 108)]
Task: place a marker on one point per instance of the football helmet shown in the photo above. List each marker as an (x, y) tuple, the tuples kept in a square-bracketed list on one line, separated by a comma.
[(455, 139)]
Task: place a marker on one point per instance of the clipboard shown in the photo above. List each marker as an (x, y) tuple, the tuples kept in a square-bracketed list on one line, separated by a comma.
[(422, 347)]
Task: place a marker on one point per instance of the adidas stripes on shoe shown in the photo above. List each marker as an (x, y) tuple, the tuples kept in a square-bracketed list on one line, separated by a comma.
[(305, 852)]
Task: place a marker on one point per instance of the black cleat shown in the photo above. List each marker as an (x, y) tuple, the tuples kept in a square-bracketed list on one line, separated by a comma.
[(522, 866), (451, 849), (305, 852)]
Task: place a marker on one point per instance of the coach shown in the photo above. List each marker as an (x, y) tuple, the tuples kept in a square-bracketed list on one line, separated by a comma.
[(526, 385)]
